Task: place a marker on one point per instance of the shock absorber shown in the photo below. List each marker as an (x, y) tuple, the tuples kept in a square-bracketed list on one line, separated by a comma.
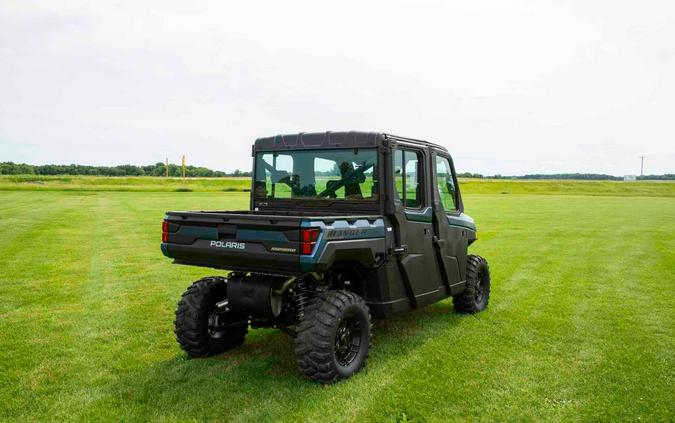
[(301, 297)]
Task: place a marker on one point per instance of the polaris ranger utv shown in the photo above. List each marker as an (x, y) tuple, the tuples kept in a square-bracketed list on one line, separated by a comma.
[(342, 226)]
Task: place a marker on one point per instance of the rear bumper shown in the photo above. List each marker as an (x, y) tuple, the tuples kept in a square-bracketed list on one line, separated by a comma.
[(255, 258)]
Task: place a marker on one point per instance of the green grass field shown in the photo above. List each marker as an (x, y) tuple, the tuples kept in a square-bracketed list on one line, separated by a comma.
[(130, 183), (580, 327), (469, 186)]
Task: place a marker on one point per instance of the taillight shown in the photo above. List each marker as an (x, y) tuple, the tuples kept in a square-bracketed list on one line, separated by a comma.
[(165, 231), (308, 239)]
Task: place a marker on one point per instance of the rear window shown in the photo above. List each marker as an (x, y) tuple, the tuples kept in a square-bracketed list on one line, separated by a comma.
[(349, 175)]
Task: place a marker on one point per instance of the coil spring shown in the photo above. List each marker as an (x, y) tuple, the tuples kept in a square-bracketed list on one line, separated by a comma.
[(301, 298)]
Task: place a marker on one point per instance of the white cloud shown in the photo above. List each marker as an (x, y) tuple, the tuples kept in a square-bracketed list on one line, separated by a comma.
[(528, 87)]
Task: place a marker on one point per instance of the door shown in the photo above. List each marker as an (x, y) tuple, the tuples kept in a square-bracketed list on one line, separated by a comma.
[(450, 240), (414, 217)]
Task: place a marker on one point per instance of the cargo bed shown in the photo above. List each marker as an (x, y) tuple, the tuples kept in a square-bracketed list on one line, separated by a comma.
[(241, 240)]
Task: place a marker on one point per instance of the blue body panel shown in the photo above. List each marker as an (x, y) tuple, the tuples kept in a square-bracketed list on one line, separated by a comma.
[(334, 235)]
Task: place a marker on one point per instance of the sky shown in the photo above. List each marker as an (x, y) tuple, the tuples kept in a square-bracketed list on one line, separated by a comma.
[(508, 87)]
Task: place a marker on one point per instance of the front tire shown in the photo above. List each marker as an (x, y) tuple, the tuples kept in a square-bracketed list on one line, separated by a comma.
[(201, 329), (476, 294), (333, 337)]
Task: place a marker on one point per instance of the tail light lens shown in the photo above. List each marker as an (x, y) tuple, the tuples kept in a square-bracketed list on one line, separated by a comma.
[(165, 231), (308, 239)]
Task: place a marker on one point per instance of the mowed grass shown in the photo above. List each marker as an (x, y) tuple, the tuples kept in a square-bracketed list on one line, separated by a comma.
[(124, 183), (231, 184), (580, 327)]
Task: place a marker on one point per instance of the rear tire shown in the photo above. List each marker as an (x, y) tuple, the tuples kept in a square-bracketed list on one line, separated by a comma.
[(333, 337), (201, 330), (476, 294)]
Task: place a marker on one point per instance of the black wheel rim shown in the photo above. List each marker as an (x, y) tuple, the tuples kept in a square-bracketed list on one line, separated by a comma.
[(348, 340), (480, 288)]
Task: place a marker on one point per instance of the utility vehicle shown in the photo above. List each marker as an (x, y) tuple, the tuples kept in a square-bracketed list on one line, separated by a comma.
[(342, 226)]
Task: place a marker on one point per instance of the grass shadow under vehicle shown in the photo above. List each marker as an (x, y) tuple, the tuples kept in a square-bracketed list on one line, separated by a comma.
[(259, 379)]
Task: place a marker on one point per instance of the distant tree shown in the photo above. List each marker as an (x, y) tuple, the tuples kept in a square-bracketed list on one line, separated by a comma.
[(575, 176), (665, 177), (10, 168), (159, 169)]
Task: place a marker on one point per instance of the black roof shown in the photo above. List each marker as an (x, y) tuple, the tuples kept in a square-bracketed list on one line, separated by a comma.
[(321, 140)]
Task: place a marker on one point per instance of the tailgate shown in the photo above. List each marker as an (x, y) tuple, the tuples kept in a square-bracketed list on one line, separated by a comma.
[(233, 240)]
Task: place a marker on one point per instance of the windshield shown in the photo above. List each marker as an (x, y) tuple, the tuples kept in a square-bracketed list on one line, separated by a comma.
[(317, 174)]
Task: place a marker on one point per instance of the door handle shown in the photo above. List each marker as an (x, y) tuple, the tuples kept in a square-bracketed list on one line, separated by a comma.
[(403, 249)]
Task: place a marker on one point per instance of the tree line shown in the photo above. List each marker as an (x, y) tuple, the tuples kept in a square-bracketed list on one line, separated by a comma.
[(573, 176), (158, 169)]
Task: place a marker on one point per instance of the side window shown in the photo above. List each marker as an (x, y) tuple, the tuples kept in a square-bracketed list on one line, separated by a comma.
[(407, 178), (413, 197), (445, 184), (398, 174)]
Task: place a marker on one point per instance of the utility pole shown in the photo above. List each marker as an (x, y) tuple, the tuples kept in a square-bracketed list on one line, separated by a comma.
[(167, 167), (642, 165), (183, 166)]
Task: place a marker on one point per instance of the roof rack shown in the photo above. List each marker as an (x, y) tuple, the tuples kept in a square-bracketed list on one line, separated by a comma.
[(414, 141), (324, 140)]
